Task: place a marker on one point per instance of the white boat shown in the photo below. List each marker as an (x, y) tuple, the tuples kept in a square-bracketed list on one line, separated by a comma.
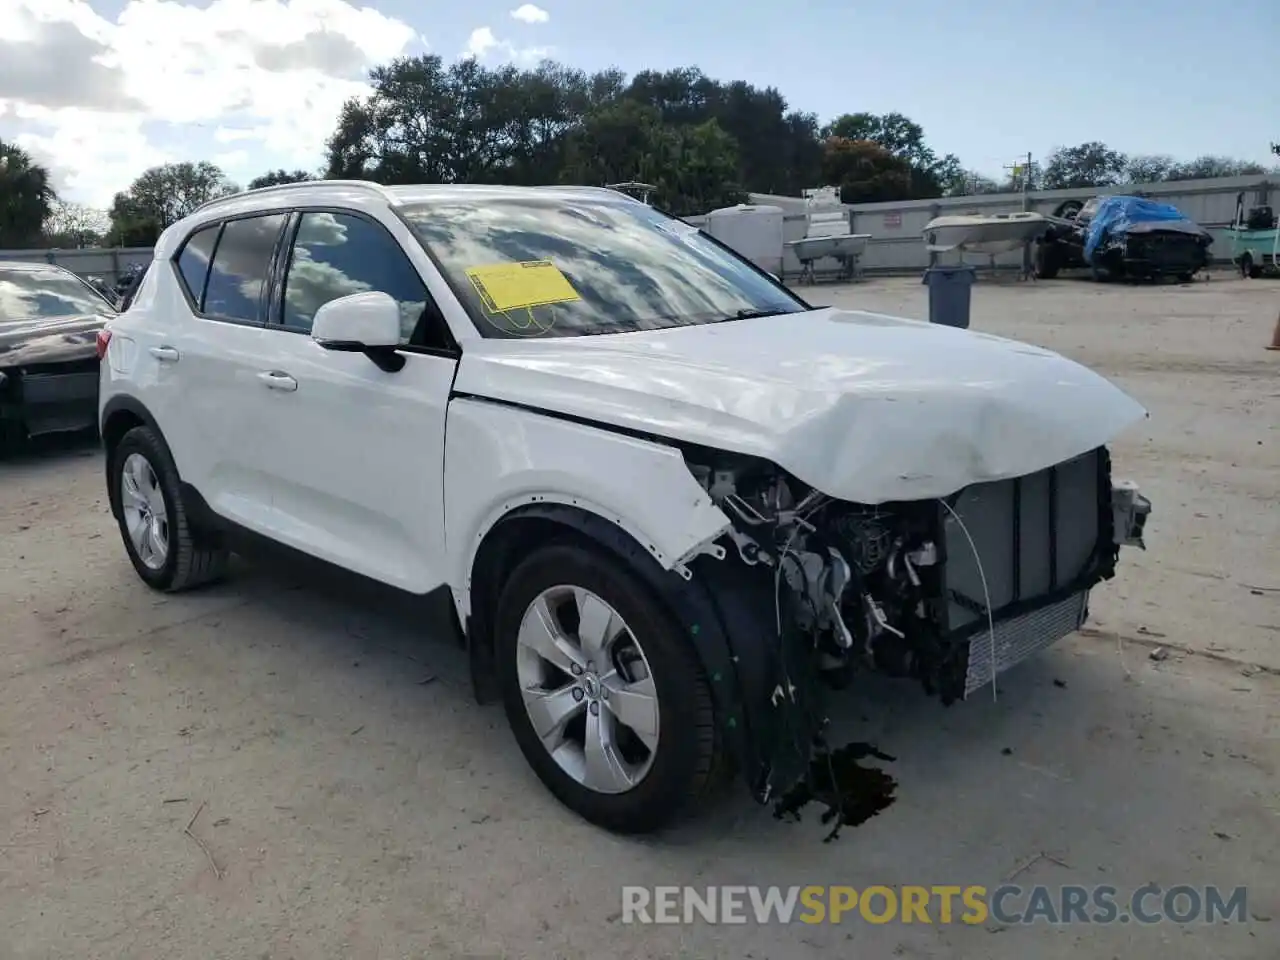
[(984, 233), (842, 245), (827, 235)]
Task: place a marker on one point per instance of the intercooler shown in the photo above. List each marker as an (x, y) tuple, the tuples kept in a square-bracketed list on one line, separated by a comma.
[(1043, 540)]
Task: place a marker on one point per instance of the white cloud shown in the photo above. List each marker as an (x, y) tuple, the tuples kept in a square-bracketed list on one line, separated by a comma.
[(480, 42), (530, 14), (483, 45), (267, 75)]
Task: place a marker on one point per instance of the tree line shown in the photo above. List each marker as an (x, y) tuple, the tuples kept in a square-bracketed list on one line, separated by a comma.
[(700, 142)]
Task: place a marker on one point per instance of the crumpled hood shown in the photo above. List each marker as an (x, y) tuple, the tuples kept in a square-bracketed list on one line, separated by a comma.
[(862, 406), (48, 339)]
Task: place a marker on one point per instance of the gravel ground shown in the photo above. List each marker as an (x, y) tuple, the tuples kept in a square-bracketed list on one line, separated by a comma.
[(356, 803)]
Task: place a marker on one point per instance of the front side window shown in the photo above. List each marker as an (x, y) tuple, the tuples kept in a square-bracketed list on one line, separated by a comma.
[(241, 266), (40, 293), (562, 266), (337, 254)]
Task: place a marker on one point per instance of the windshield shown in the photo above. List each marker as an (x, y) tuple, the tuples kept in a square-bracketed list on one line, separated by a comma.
[(572, 266), (46, 292)]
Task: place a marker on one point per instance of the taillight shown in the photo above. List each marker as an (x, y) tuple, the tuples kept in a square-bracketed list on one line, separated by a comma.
[(104, 338)]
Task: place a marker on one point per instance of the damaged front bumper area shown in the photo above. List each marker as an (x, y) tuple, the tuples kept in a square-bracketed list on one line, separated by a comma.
[(952, 592)]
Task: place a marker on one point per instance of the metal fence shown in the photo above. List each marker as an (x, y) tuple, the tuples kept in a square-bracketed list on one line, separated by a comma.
[(102, 263)]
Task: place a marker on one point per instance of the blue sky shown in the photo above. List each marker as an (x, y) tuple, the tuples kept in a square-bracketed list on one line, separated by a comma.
[(988, 80)]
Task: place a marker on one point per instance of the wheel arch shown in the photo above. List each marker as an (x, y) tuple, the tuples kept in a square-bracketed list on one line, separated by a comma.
[(121, 414), (695, 603)]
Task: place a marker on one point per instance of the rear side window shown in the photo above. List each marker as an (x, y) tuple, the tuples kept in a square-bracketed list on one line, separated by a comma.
[(193, 262), (240, 268)]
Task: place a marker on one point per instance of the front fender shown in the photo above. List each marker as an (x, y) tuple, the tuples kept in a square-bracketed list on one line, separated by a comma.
[(500, 457), (508, 468)]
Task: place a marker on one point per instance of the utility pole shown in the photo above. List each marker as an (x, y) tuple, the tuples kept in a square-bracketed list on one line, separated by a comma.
[(1022, 169)]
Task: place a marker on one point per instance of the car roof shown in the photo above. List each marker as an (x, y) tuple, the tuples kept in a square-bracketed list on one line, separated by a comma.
[(362, 195)]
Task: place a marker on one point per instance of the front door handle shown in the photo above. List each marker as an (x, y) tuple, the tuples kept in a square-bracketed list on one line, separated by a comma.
[(165, 354), (276, 380)]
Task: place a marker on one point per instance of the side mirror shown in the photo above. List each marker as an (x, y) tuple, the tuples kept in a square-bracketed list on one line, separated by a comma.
[(367, 323)]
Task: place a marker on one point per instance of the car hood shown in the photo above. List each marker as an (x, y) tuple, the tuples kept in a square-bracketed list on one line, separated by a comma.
[(48, 339), (861, 406)]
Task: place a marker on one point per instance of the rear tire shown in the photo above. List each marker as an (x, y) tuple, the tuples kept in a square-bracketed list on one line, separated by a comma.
[(680, 768), (145, 492), (1046, 262), (1249, 269)]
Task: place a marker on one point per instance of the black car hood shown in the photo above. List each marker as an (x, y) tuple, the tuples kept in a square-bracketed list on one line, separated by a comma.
[(48, 339)]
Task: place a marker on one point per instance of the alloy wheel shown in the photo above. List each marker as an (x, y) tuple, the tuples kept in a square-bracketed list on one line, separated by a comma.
[(145, 516), (587, 689)]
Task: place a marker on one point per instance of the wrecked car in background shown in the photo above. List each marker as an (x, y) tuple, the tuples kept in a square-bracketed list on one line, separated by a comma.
[(671, 501), (49, 323), (1123, 237)]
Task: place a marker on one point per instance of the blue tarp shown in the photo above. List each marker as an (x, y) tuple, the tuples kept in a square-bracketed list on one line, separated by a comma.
[(1117, 214)]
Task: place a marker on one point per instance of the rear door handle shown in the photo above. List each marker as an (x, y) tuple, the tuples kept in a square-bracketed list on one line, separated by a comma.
[(276, 380), (166, 354)]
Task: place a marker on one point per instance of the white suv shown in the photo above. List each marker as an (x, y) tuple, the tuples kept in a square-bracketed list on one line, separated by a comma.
[(664, 493)]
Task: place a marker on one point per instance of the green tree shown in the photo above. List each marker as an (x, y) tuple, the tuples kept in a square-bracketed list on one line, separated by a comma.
[(1091, 164), (73, 225), (1148, 169), (778, 149), (162, 196), (275, 178), (426, 122), (865, 171), (902, 137), (622, 141), (26, 198), (699, 170), (1203, 168)]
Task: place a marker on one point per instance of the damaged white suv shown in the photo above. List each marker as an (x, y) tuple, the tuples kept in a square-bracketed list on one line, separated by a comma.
[(667, 496)]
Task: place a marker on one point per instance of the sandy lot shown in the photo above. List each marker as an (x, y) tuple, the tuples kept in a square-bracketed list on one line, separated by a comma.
[(357, 804)]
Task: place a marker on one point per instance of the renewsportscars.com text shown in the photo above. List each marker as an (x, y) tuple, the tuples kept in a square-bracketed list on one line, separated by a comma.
[(938, 904)]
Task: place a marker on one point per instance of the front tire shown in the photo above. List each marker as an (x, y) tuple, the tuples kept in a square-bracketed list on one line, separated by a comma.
[(146, 498), (603, 690)]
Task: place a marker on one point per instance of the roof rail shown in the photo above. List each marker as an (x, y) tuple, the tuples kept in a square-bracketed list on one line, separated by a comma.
[(368, 185)]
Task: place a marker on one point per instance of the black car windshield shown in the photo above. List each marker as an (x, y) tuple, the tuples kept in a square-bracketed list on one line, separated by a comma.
[(40, 293), (564, 266)]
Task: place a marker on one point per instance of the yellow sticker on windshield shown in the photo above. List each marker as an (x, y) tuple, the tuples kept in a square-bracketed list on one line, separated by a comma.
[(519, 286)]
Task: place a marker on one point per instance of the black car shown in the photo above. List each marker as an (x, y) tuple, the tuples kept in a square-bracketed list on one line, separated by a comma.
[(49, 323), (1165, 244)]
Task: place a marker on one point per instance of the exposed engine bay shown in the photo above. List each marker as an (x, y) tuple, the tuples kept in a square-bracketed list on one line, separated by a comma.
[(862, 581), (950, 592)]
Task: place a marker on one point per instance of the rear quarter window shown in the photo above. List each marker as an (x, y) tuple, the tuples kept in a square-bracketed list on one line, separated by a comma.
[(193, 261), (126, 301)]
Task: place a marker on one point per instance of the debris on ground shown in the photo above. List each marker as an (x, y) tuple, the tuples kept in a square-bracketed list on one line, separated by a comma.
[(851, 793)]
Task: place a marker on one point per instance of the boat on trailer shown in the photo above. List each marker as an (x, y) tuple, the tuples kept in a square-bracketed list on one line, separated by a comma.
[(984, 233)]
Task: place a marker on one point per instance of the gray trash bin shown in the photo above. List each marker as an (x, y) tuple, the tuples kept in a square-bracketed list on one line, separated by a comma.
[(949, 294)]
